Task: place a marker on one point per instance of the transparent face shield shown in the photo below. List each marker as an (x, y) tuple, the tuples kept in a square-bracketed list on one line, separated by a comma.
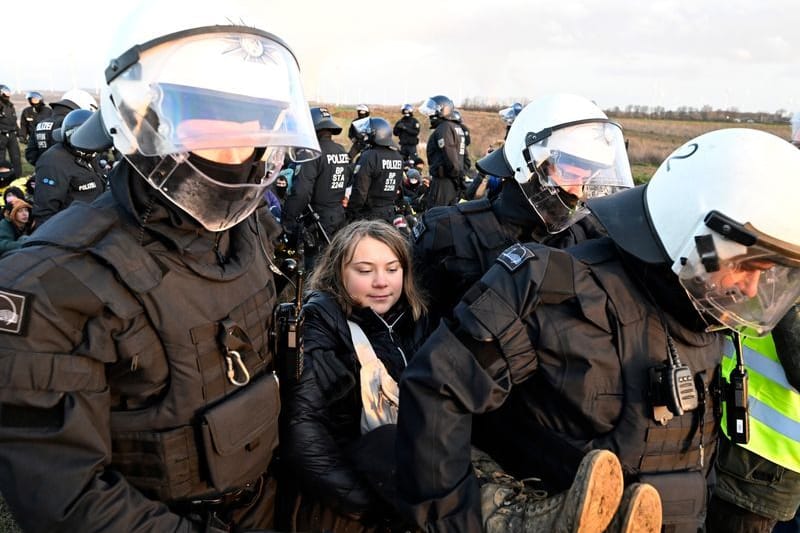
[(428, 108), (568, 165), (745, 288), (508, 114), (223, 93)]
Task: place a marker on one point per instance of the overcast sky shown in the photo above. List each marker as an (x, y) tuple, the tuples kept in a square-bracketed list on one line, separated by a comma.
[(723, 53)]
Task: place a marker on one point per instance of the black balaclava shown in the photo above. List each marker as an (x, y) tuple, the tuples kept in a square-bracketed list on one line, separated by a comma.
[(511, 206)]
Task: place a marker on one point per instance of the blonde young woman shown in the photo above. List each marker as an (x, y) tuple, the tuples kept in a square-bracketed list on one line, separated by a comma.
[(330, 436)]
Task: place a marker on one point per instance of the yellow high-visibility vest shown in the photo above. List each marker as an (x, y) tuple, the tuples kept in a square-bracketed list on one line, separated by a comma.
[(774, 405)]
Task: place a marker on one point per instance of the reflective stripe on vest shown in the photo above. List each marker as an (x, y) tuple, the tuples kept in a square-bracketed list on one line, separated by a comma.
[(773, 403)]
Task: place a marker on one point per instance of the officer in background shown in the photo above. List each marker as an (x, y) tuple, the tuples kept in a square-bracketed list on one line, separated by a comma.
[(319, 184), (467, 140), (407, 131), (607, 345), (65, 173), (445, 150), (508, 114), (358, 143), (454, 246), (8, 130), (377, 174), (31, 115), (143, 395), (43, 133), (796, 128)]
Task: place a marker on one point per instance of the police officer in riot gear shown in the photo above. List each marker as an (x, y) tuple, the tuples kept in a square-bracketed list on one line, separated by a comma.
[(407, 131), (8, 130), (357, 140), (467, 139), (445, 150), (454, 246), (31, 115), (145, 397), (319, 184), (509, 114), (608, 345), (65, 173), (43, 131), (377, 174)]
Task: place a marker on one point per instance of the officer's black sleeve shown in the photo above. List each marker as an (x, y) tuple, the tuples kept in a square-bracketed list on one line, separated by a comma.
[(467, 366), (31, 150), (50, 193), (786, 336), (55, 406), (453, 156), (299, 196), (441, 388), (361, 182)]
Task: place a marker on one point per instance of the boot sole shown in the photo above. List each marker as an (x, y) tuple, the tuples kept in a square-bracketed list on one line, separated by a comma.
[(643, 510), (596, 492)]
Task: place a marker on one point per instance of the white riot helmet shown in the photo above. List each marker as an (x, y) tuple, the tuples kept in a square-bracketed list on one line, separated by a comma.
[(176, 98), (80, 100), (722, 208), (562, 150)]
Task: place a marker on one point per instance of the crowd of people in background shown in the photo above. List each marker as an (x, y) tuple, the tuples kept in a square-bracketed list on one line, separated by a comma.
[(523, 341)]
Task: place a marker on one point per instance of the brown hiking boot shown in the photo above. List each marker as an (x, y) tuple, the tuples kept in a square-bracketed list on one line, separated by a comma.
[(639, 512), (588, 506)]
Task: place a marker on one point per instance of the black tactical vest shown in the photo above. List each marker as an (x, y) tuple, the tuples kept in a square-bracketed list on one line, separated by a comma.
[(196, 401)]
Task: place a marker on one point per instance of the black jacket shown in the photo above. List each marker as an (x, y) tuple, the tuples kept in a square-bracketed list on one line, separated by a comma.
[(455, 245), (43, 133), (8, 117), (30, 116), (446, 149), (407, 131), (321, 184), (376, 184), (123, 353), (63, 177), (563, 348), (322, 419)]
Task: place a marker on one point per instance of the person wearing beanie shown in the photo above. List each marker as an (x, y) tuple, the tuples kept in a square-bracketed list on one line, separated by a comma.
[(15, 225)]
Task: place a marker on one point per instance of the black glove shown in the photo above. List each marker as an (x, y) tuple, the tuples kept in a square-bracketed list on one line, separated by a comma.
[(334, 379)]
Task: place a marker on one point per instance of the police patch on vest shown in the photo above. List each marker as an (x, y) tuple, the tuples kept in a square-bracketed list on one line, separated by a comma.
[(515, 256), (13, 311), (418, 230), (440, 142), (49, 181)]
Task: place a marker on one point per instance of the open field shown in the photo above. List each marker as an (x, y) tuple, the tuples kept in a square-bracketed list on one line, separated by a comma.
[(650, 140)]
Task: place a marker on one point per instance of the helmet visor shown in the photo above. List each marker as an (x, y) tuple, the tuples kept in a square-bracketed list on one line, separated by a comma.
[(750, 292), (223, 87), (215, 204), (508, 114), (569, 165), (429, 107)]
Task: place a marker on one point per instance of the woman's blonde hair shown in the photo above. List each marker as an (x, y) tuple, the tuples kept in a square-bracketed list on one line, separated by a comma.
[(329, 270)]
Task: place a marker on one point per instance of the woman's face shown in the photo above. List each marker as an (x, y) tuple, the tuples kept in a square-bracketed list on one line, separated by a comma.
[(374, 277), (22, 215)]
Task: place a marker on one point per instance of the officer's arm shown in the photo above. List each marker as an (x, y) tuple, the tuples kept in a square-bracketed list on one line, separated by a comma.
[(55, 411), (31, 150), (300, 193), (453, 158), (361, 183), (50, 193), (786, 336)]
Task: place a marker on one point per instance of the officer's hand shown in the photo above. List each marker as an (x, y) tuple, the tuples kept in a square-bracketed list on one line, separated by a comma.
[(334, 379)]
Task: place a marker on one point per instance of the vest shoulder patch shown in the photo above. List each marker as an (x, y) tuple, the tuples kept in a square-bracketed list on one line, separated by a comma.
[(14, 311), (515, 256)]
